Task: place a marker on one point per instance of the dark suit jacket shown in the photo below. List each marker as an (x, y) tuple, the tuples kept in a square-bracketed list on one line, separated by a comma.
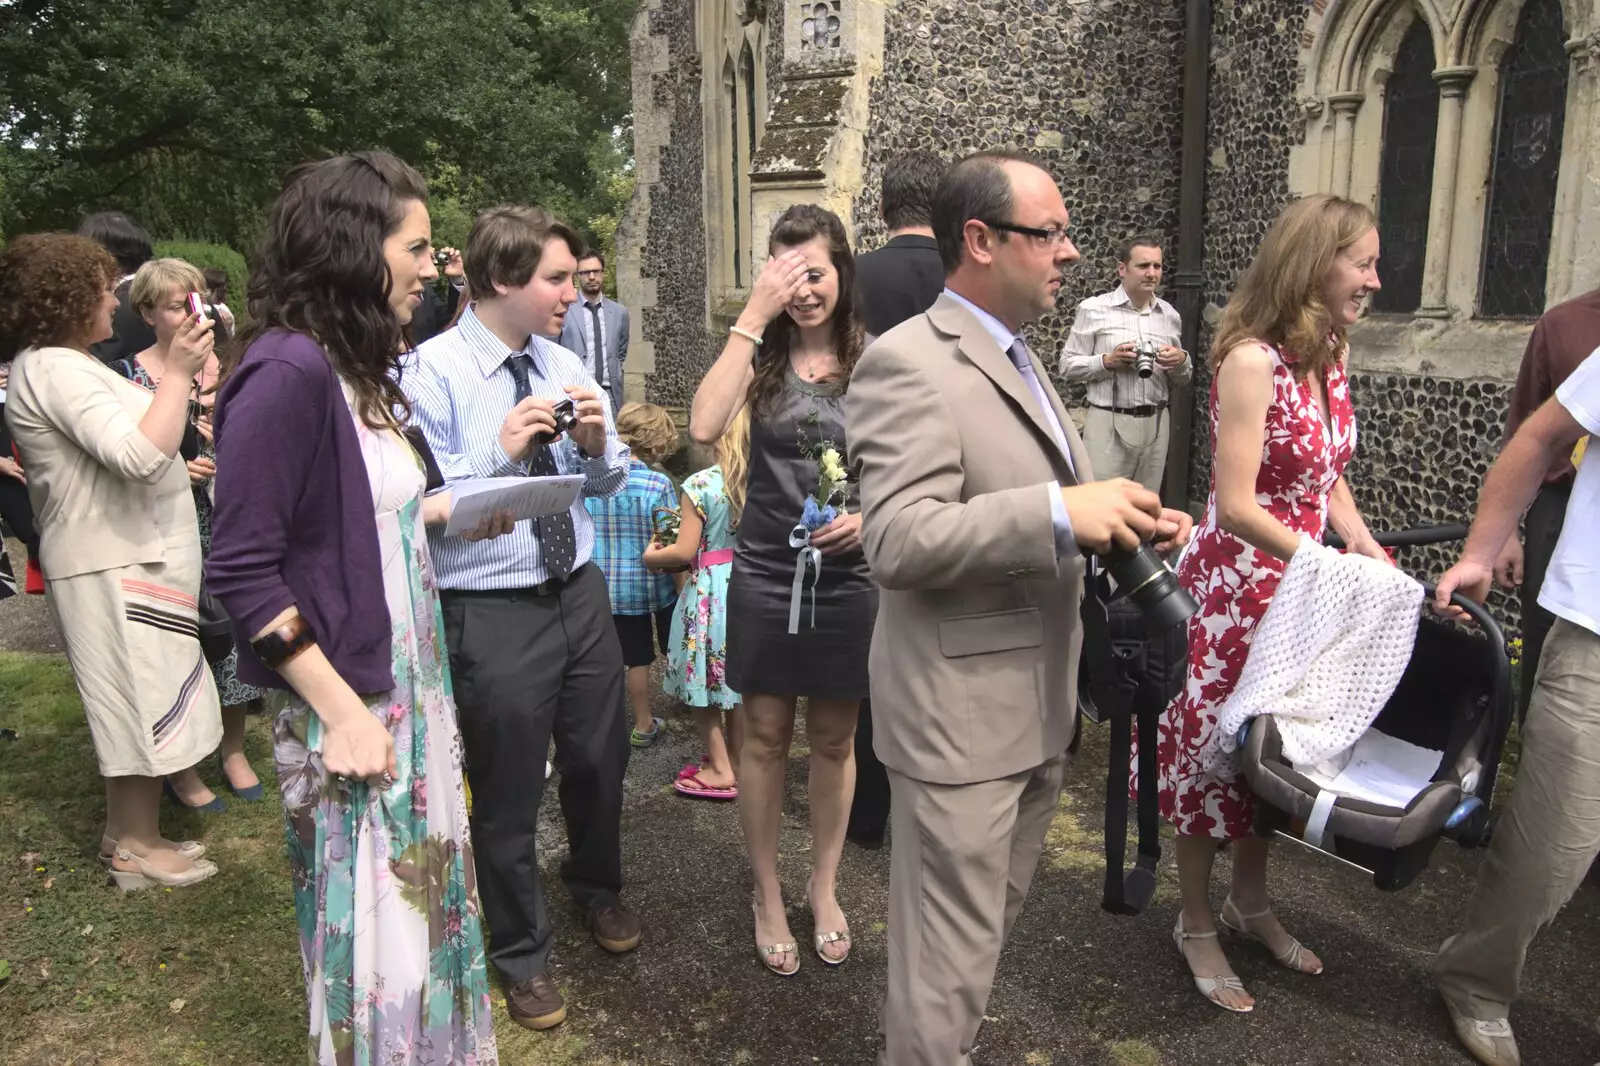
[(433, 314), (898, 281)]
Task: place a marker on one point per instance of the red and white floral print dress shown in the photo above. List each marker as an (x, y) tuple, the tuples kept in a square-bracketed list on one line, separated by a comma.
[(1301, 460)]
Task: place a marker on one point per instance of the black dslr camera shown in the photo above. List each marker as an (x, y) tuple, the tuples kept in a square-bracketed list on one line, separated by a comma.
[(1135, 655), (1141, 576)]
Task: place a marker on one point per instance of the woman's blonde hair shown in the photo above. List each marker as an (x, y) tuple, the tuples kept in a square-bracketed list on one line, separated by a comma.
[(160, 278), (648, 431), (733, 456), (1279, 299)]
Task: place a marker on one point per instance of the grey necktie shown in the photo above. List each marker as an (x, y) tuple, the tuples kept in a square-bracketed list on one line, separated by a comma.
[(558, 543), (601, 374), (1024, 364)]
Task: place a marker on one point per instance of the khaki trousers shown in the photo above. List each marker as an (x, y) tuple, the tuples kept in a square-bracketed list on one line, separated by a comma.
[(1545, 840), (1127, 446), (963, 858)]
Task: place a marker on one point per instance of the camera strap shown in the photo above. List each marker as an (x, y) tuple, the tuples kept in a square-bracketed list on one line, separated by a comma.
[(1123, 693)]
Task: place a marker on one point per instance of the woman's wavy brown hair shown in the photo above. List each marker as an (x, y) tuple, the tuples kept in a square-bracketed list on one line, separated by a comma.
[(794, 227), (321, 271), (51, 287), (1279, 299)]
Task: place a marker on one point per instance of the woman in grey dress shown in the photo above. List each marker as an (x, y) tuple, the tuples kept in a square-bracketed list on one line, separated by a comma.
[(801, 601)]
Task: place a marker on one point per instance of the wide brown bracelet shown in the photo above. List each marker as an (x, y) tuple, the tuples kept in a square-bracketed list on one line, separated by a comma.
[(281, 645)]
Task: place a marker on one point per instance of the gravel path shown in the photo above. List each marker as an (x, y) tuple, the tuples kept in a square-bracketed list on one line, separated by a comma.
[(1075, 985)]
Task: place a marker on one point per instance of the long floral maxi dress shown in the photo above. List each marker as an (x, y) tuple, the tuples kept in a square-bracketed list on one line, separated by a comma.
[(391, 936), (1301, 460), (697, 651)]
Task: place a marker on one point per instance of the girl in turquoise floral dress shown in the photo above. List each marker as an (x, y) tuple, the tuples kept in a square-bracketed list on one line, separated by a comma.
[(708, 526)]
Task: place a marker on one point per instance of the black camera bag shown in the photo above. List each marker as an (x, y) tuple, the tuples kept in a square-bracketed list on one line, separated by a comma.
[(1128, 676)]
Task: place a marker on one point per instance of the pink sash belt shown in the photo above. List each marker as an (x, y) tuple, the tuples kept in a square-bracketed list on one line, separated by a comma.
[(705, 559)]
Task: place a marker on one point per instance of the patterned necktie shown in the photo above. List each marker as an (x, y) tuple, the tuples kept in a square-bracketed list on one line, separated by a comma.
[(600, 369), (558, 543)]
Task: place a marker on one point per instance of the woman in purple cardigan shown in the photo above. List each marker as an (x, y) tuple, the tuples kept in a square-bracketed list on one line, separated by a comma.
[(319, 556)]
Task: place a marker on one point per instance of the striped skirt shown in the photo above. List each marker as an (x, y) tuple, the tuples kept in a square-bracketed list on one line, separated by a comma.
[(132, 637)]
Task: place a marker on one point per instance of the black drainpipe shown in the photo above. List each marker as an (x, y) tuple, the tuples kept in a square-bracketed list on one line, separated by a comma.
[(1188, 284)]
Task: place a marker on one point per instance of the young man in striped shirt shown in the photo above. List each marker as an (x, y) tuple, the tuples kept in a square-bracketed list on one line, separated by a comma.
[(1126, 429), (527, 619)]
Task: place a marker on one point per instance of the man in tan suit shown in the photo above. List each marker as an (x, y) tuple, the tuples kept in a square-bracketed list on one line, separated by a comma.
[(976, 508)]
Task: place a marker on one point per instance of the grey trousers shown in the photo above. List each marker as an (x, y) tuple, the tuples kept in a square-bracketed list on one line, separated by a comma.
[(962, 861), (527, 668), (1545, 840), (1127, 446)]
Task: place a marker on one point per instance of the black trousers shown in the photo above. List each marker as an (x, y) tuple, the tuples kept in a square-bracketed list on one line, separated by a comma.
[(1541, 530), (527, 668), (869, 810)]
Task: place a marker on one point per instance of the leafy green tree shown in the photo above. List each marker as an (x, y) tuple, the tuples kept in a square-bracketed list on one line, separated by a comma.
[(188, 114)]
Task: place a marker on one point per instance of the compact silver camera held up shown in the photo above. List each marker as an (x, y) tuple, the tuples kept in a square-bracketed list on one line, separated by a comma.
[(1145, 352)]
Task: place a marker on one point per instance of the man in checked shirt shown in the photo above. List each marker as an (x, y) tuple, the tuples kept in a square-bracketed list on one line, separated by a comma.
[(1126, 428)]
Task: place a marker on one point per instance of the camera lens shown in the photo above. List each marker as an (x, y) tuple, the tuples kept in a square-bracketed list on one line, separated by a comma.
[(566, 416), (1143, 578)]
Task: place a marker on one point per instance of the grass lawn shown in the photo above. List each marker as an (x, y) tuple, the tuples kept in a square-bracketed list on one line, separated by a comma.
[(206, 975)]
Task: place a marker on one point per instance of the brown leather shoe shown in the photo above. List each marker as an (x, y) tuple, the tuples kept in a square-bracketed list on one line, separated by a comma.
[(536, 1003), (615, 928)]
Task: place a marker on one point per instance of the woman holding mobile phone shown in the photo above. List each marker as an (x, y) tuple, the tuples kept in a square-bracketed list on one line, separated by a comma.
[(163, 293), (119, 545)]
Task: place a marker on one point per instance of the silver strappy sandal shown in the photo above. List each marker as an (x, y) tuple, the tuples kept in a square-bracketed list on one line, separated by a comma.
[(1293, 956), (1209, 986)]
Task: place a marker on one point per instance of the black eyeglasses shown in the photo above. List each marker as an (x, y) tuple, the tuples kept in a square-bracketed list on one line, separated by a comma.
[(1056, 235)]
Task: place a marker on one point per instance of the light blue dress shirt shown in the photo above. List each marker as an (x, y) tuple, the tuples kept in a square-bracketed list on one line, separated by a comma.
[(461, 391), (1066, 543)]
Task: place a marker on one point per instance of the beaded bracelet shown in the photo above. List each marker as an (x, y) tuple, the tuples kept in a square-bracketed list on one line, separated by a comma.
[(746, 334)]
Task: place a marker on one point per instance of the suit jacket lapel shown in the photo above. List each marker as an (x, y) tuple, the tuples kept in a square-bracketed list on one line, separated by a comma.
[(979, 347)]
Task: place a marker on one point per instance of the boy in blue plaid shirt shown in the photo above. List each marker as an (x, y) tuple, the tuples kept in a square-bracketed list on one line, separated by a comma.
[(623, 529)]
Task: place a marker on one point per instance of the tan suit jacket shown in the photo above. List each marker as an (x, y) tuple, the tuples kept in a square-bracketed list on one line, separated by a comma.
[(975, 655)]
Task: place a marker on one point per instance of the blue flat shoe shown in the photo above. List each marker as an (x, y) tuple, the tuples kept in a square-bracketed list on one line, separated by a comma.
[(216, 805), (253, 794)]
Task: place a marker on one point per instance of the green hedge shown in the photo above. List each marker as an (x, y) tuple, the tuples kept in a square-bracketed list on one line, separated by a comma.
[(220, 256)]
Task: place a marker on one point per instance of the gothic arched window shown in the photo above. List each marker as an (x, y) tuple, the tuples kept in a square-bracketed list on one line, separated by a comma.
[(1405, 181), (730, 89), (1527, 163)]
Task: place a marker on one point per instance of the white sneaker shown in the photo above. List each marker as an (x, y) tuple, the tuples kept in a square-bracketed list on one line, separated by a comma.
[(1490, 1042)]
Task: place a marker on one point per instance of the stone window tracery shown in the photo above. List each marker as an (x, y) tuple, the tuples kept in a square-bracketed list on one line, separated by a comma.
[(820, 24), (1502, 224), (733, 36), (1527, 158)]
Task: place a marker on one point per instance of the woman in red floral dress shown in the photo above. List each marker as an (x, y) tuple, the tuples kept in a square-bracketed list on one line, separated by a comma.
[(1283, 430)]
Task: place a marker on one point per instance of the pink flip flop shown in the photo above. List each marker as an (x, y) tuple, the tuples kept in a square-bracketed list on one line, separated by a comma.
[(689, 784)]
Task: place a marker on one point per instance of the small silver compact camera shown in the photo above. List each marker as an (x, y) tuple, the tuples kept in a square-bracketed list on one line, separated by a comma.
[(1145, 352)]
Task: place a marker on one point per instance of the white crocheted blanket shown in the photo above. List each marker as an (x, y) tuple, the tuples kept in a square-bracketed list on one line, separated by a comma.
[(1325, 657)]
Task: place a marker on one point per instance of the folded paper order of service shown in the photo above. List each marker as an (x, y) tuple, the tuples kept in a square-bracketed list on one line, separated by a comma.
[(472, 499)]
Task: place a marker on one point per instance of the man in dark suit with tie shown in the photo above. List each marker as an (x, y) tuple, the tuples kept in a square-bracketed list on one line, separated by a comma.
[(896, 282), (596, 315)]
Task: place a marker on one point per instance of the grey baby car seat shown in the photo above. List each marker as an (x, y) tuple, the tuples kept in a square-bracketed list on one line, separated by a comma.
[(1454, 698)]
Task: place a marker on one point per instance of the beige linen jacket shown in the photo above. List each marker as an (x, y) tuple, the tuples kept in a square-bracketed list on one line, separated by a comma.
[(103, 496), (975, 655)]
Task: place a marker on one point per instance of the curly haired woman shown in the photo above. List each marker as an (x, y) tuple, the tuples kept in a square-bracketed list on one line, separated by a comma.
[(119, 541)]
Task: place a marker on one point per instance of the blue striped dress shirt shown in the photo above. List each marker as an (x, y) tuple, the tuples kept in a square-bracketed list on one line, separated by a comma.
[(460, 391)]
